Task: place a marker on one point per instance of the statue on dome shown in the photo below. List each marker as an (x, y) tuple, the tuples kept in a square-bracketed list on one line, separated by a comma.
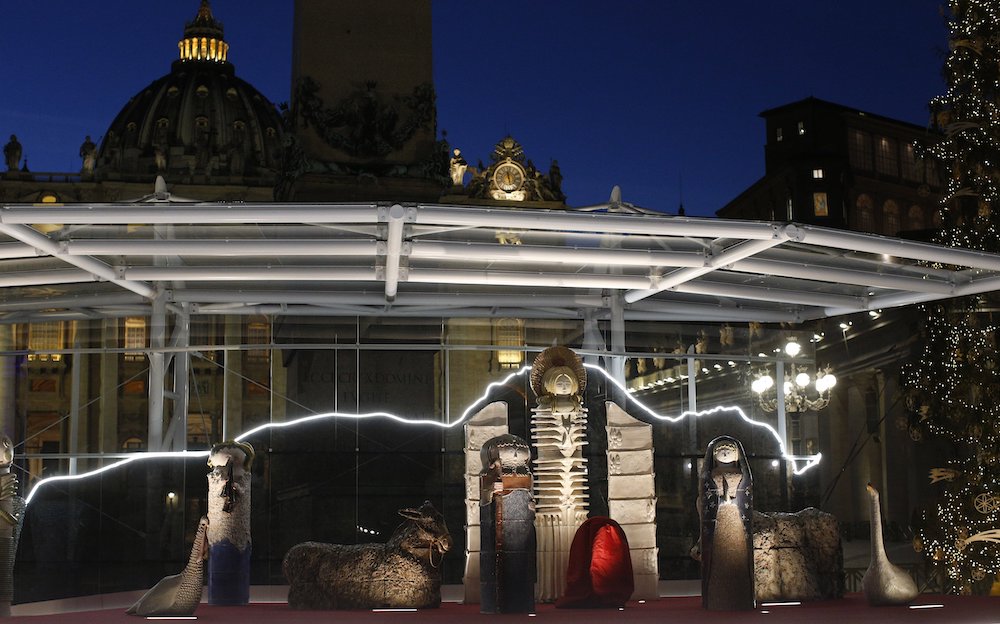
[(12, 153), (160, 158), (555, 179), (88, 152), (457, 167)]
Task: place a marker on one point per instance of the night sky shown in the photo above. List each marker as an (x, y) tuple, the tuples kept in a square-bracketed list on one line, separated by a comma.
[(660, 97)]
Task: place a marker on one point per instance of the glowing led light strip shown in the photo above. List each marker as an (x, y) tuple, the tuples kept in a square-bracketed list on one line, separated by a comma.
[(811, 460), (135, 457)]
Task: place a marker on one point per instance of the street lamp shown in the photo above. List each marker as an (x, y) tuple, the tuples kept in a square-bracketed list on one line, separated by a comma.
[(802, 392)]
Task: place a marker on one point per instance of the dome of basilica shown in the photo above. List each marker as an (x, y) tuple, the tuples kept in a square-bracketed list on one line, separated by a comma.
[(199, 123)]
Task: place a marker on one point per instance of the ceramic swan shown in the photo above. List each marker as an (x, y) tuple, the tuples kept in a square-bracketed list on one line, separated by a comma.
[(884, 584), (178, 594)]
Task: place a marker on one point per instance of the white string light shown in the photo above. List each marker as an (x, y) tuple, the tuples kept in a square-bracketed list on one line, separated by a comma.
[(810, 460)]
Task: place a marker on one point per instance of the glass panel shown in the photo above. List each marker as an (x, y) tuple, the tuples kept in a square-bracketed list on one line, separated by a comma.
[(342, 479)]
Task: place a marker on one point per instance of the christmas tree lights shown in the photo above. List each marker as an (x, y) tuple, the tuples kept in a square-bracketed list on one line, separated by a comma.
[(953, 388)]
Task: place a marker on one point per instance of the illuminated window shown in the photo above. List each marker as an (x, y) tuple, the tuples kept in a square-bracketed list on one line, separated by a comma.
[(203, 335), (48, 197), (818, 174), (509, 332), (936, 219), (135, 337), (821, 207), (795, 434), (890, 213), (132, 443), (915, 218), (778, 136), (258, 333), (43, 338), (802, 128), (865, 218), (913, 167), (788, 209), (861, 149), (887, 157)]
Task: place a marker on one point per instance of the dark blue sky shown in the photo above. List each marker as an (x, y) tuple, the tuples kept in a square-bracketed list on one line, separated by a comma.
[(651, 95)]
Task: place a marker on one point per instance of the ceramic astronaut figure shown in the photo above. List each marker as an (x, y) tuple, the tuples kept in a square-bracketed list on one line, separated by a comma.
[(507, 527)]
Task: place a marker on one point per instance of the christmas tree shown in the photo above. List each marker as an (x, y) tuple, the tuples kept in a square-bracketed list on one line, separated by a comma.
[(954, 385)]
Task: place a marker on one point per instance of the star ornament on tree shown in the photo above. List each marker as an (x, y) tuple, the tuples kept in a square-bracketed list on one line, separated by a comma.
[(943, 474), (987, 503)]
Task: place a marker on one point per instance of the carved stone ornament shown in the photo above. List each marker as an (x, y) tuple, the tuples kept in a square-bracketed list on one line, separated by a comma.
[(512, 177), (365, 124)]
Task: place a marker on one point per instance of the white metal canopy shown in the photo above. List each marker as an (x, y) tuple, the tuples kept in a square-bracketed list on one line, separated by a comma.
[(111, 260)]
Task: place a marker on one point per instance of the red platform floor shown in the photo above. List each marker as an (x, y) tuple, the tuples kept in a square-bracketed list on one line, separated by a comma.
[(850, 610)]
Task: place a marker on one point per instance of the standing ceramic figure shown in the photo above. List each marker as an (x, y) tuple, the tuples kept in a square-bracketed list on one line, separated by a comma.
[(229, 523), (726, 508), (507, 527), (11, 519)]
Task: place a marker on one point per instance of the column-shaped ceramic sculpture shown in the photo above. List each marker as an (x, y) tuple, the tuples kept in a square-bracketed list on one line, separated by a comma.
[(507, 527), (632, 495), (229, 523), (11, 519), (558, 430), (725, 504)]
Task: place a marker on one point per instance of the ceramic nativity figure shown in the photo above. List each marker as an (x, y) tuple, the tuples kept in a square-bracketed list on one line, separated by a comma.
[(229, 523), (507, 527), (559, 432), (11, 519), (726, 509)]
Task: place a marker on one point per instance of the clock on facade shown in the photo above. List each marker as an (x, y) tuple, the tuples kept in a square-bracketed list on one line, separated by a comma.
[(508, 177)]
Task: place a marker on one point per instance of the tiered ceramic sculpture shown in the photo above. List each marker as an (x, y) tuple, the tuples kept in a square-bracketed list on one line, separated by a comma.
[(558, 430), (632, 495)]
